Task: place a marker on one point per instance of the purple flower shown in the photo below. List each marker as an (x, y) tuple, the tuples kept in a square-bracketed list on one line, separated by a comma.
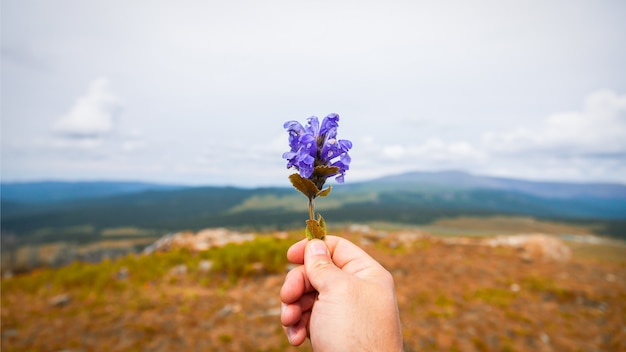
[(317, 145)]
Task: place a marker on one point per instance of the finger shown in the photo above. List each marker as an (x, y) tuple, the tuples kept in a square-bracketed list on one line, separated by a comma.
[(319, 267), (291, 313), (297, 333), (350, 257), (295, 253), (295, 286)]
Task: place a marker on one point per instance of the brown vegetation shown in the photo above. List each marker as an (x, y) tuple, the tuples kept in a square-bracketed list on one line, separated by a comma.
[(453, 296)]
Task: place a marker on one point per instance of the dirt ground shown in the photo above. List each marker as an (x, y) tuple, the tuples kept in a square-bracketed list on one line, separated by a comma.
[(452, 297)]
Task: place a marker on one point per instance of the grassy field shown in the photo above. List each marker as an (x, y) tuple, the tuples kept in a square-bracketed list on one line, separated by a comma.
[(132, 239)]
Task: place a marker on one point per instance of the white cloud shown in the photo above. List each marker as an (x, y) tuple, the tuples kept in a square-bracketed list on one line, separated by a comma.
[(92, 115), (433, 150), (371, 159), (133, 141), (599, 130), (576, 145)]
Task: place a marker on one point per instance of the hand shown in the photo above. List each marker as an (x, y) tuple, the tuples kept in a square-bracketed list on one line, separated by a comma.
[(341, 298)]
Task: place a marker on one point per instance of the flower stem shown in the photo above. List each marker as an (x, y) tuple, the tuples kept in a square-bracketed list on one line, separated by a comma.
[(311, 209)]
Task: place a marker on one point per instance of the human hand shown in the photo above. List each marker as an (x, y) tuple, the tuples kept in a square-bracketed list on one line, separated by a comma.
[(341, 298)]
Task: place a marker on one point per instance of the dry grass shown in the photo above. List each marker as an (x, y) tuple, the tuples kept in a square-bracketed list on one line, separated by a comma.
[(493, 225), (451, 297), (600, 252)]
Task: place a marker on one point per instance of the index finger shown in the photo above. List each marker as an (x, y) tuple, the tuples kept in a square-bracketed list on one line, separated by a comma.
[(345, 254)]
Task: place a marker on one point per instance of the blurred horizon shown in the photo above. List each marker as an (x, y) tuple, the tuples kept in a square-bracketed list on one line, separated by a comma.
[(281, 184)]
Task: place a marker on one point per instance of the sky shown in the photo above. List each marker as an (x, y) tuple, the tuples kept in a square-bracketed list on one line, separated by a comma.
[(196, 92)]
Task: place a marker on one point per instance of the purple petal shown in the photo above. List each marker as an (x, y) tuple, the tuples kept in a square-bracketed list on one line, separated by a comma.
[(314, 126), (293, 126), (289, 155), (345, 144), (329, 122), (317, 144), (345, 159)]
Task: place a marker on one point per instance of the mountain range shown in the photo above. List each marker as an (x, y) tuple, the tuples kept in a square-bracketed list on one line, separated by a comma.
[(43, 210)]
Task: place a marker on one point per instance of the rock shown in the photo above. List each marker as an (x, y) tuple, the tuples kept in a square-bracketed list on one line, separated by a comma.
[(534, 246), (163, 243), (359, 228), (219, 237), (546, 247), (200, 241), (205, 266), (409, 237), (59, 300)]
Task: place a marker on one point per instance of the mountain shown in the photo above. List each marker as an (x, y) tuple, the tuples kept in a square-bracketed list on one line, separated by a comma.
[(414, 198), (456, 189), (58, 191), (458, 180)]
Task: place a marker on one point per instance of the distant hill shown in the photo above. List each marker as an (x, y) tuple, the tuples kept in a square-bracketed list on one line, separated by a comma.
[(458, 180), (58, 191), (413, 198)]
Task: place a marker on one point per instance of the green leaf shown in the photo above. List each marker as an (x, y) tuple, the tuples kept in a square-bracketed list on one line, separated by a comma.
[(307, 232), (313, 227), (322, 222), (324, 192), (304, 185)]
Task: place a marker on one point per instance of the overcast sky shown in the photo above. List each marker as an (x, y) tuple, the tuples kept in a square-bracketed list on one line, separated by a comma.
[(196, 92)]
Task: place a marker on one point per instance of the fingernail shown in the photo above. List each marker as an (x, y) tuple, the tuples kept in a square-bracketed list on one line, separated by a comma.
[(291, 333), (319, 248)]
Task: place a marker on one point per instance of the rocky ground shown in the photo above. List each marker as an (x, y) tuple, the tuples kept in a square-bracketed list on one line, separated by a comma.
[(454, 295)]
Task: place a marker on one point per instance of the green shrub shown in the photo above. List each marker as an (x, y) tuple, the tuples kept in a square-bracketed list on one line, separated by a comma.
[(262, 255)]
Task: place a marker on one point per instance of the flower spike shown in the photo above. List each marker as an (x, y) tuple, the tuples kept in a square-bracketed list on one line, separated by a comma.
[(317, 154)]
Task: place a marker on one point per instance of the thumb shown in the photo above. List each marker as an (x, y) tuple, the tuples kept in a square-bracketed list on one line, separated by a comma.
[(319, 267)]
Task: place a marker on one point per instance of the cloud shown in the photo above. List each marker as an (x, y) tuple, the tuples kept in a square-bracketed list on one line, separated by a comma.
[(426, 82), (598, 131), (575, 145), (93, 115), (372, 159), (433, 150)]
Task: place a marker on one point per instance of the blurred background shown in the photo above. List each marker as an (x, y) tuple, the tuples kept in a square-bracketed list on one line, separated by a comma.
[(146, 206)]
